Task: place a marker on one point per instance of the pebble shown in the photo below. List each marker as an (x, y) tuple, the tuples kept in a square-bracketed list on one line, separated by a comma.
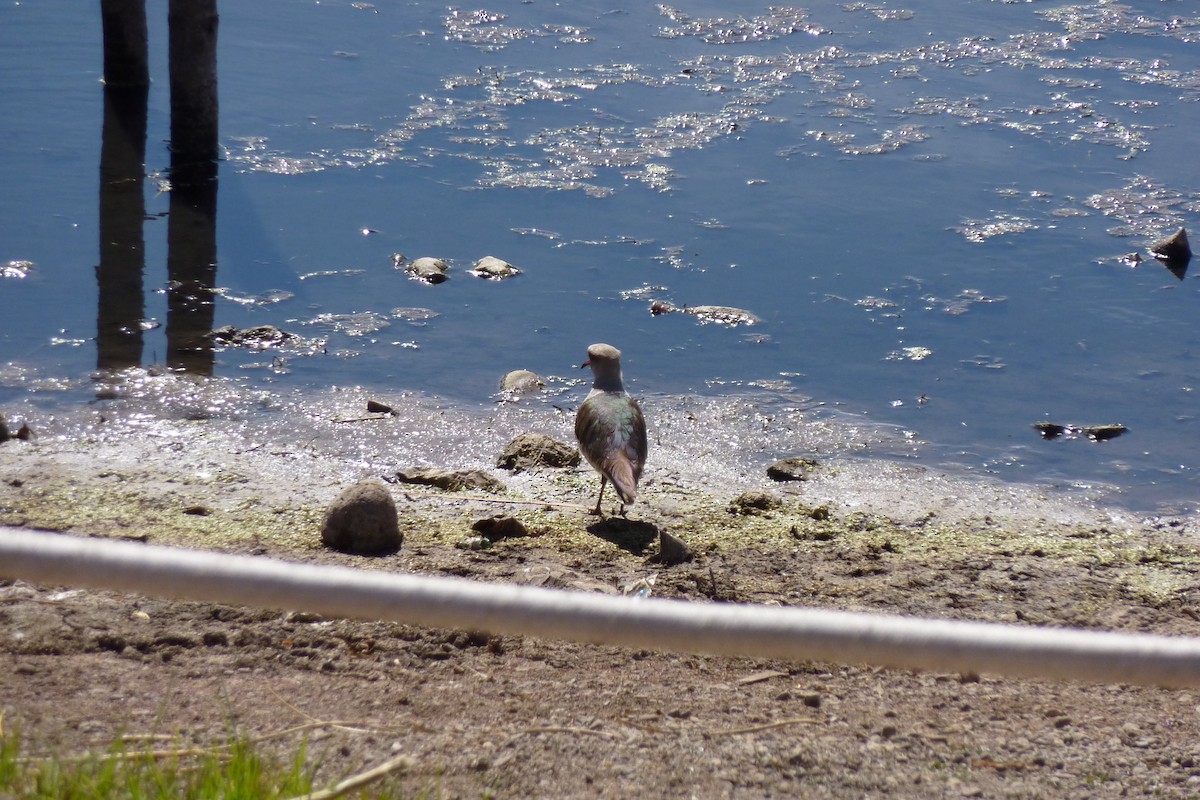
[(363, 520)]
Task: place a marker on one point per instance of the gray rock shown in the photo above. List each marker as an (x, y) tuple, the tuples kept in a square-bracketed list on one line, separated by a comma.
[(791, 469), (531, 450), (452, 480), (427, 270), (494, 269), (363, 520), (520, 382)]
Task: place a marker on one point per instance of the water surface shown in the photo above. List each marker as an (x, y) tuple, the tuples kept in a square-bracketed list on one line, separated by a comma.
[(929, 210)]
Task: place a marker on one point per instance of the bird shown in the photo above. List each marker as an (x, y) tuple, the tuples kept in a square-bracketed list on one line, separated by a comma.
[(610, 427)]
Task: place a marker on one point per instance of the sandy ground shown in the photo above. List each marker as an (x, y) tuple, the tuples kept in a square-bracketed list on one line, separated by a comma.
[(505, 716)]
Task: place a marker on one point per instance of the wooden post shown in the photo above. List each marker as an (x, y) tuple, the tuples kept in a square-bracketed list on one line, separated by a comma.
[(125, 42)]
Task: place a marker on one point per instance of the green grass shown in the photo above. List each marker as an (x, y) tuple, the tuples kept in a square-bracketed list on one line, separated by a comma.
[(235, 771)]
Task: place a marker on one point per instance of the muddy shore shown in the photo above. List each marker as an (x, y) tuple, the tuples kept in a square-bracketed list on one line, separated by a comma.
[(485, 715)]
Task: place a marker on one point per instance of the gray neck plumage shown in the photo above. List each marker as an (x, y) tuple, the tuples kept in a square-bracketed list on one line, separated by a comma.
[(608, 380)]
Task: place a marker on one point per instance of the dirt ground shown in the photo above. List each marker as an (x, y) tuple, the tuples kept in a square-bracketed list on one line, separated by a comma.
[(503, 716)]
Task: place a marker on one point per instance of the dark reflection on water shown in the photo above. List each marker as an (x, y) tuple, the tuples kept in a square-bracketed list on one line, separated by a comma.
[(122, 245), (192, 218)]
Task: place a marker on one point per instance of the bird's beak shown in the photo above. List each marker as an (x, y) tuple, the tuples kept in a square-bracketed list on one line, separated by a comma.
[(587, 363)]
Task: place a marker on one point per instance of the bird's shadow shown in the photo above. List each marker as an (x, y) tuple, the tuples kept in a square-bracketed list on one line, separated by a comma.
[(632, 535)]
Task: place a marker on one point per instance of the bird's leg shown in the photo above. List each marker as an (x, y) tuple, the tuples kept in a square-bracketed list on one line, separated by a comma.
[(596, 511)]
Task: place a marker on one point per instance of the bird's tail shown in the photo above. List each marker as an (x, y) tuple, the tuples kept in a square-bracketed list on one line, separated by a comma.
[(620, 472)]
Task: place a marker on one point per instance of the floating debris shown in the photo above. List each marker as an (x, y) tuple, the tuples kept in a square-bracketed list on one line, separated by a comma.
[(427, 270), (494, 269), (1096, 433)]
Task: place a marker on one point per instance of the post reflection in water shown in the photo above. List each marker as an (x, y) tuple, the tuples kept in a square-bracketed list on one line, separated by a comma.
[(122, 211), (192, 215)]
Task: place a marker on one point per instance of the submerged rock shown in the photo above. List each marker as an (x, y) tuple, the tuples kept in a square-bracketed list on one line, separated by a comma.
[(1097, 433), (536, 450), (426, 269), (520, 382), (258, 337), (494, 269), (721, 315), (1173, 248), (363, 520), (449, 479)]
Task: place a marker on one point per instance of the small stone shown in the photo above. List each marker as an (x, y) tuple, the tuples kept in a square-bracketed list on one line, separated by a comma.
[(791, 469), (754, 501), (531, 450), (198, 511), (363, 520), (888, 731), (499, 527), (1173, 248), (811, 699), (520, 382), (451, 480), (494, 269), (214, 639), (427, 270), (672, 550), (376, 407)]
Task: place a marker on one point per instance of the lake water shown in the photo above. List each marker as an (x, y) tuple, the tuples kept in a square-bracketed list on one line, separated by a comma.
[(929, 208)]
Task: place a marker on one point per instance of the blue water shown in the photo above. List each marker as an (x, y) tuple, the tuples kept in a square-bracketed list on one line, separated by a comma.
[(974, 260)]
